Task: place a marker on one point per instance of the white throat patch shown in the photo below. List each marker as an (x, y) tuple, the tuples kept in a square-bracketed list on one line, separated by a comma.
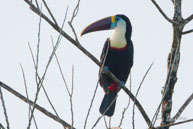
[(117, 38)]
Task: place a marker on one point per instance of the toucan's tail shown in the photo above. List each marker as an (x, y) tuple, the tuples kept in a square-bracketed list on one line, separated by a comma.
[(109, 99)]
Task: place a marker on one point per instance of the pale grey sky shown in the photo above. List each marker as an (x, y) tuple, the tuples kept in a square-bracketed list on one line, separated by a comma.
[(152, 36)]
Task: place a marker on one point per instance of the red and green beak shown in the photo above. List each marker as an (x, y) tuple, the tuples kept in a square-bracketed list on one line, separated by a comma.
[(103, 24)]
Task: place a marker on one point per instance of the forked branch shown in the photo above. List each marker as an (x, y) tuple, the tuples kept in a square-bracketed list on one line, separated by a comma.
[(162, 12)]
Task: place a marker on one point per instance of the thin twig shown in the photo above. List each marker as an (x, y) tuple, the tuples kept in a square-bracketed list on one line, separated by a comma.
[(162, 12), (182, 108), (173, 124), (49, 11), (71, 104), (36, 73), (38, 50), (41, 109), (4, 109), (133, 116), (36, 4), (25, 84), (75, 13), (187, 32), (70, 94), (105, 122), (89, 109), (109, 122), (40, 80), (125, 109)]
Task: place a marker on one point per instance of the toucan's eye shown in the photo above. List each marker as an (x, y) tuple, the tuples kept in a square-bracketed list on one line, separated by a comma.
[(117, 18)]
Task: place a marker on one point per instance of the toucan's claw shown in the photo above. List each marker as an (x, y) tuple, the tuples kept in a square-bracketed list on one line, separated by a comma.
[(122, 83), (106, 68)]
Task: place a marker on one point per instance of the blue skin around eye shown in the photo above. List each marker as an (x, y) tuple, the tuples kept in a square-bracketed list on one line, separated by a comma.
[(113, 25)]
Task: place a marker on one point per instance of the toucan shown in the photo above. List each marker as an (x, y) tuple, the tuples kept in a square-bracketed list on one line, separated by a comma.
[(117, 56)]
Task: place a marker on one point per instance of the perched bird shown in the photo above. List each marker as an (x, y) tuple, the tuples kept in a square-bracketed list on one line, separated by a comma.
[(117, 56)]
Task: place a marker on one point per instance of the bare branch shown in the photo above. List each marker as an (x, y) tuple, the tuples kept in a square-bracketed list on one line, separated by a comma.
[(4, 108), (1, 126), (75, 12), (162, 12), (173, 124), (41, 109), (36, 73), (25, 84), (182, 108), (123, 113), (133, 116), (39, 80), (110, 122), (125, 109), (187, 20), (88, 113), (187, 32), (74, 32), (105, 122), (38, 50), (36, 4), (71, 104), (49, 11)]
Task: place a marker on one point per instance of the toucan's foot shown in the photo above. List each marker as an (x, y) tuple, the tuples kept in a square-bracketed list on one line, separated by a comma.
[(106, 68), (122, 83)]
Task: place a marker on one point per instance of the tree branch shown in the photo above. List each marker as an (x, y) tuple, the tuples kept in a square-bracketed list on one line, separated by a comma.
[(4, 109), (133, 115), (173, 124), (187, 32), (1, 126), (26, 91), (162, 12), (41, 109), (188, 19), (182, 108), (173, 64), (49, 11)]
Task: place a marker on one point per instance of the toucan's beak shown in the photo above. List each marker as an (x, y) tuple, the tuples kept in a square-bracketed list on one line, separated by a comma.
[(103, 24)]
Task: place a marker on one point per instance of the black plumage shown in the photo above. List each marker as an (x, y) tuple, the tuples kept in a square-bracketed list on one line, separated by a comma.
[(119, 61), (117, 55)]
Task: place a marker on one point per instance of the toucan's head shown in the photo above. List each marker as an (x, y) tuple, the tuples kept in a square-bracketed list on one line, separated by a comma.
[(120, 22)]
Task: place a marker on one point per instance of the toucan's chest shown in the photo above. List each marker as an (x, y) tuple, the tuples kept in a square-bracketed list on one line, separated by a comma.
[(119, 62), (118, 58)]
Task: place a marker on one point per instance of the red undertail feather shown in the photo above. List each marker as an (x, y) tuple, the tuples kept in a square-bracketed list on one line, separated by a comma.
[(113, 87)]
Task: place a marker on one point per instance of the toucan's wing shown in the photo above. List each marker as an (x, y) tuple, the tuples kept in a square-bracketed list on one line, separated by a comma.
[(103, 78), (105, 51)]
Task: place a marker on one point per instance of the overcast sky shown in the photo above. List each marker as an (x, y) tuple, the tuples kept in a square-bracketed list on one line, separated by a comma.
[(152, 37)]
